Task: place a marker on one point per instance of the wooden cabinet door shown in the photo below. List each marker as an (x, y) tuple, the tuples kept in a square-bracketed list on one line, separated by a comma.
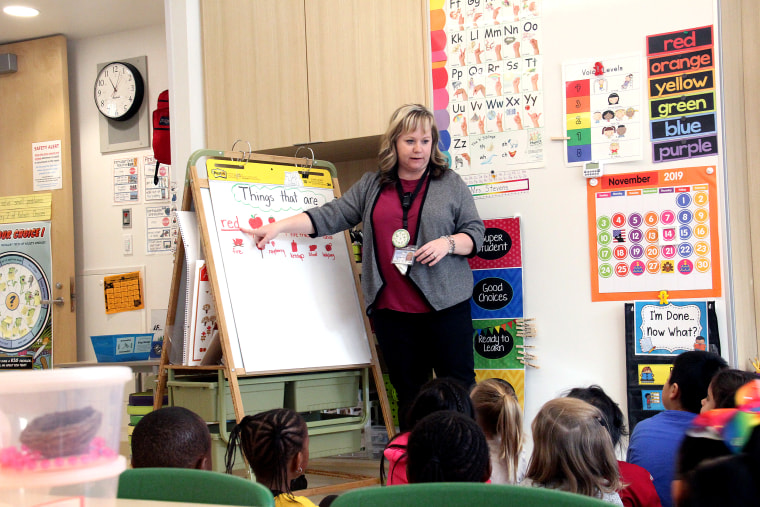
[(365, 58), (34, 107), (254, 73)]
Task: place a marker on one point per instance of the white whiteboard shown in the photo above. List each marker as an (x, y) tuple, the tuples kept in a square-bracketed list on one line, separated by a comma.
[(294, 305), (580, 342)]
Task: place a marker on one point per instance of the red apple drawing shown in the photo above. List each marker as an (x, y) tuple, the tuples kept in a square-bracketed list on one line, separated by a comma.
[(328, 247), (271, 220), (312, 248), (255, 222)]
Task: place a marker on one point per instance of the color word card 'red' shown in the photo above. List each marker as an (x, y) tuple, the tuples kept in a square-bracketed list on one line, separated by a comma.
[(654, 231)]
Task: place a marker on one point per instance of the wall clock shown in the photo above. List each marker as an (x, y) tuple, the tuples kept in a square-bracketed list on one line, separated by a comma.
[(119, 90)]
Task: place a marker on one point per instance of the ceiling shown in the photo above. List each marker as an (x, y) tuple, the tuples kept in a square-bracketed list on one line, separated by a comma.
[(79, 19)]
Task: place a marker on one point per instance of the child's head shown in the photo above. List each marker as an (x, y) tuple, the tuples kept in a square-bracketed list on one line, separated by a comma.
[(612, 416), (171, 437), (447, 446), (439, 394), (689, 379), (275, 444), (572, 450), (498, 413), (722, 389), (708, 474), (436, 395)]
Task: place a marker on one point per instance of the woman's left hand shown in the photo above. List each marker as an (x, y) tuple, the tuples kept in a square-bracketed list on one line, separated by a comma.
[(432, 252)]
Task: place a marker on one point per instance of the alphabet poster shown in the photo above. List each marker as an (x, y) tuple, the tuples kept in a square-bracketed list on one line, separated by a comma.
[(487, 76), (294, 303), (653, 231), (602, 102)]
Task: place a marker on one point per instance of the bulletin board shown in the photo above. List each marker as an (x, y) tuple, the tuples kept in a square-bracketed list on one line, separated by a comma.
[(580, 336)]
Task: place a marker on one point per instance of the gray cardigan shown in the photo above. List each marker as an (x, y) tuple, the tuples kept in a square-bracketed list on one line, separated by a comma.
[(447, 208)]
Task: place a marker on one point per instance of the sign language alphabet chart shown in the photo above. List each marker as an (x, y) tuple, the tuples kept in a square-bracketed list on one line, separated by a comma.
[(487, 80), (653, 231)]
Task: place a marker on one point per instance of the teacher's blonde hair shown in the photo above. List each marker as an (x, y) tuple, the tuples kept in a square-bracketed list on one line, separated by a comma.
[(408, 118)]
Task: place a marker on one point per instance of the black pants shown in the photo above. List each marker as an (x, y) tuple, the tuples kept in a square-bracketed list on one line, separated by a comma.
[(414, 344)]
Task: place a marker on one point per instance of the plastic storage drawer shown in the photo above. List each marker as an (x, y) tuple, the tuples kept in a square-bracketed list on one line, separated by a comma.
[(322, 391), (201, 396)]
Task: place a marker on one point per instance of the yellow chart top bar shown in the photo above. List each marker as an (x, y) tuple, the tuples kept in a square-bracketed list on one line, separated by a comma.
[(268, 174)]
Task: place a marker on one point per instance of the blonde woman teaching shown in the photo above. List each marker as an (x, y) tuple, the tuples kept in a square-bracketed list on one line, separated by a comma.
[(414, 203)]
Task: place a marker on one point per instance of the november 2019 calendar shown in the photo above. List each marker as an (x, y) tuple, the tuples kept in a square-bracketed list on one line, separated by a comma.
[(653, 231)]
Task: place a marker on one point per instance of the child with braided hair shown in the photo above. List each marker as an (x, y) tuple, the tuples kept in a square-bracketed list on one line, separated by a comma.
[(498, 413), (447, 446), (276, 445), (437, 394)]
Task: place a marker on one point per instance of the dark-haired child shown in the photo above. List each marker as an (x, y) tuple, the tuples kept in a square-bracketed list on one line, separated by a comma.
[(639, 489), (730, 480), (171, 437), (655, 441), (276, 445), (719, 460), (722, 388), (437, 394), (448, 446)]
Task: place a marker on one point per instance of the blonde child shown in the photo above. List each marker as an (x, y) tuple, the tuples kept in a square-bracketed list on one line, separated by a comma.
[(572, 451), (276, 445), (498, 413)]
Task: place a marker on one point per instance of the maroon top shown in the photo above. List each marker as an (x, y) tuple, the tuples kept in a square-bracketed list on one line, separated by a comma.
[(639, 491), (399, 293)]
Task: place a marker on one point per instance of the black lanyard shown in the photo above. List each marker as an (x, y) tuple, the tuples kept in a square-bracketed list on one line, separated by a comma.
[(407, 198)]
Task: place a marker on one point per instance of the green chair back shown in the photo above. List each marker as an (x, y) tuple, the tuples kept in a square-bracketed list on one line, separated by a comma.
[(459, 494), (192, 486)]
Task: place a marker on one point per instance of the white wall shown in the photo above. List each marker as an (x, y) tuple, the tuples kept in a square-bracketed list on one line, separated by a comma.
[(578, 342), (98, 230)]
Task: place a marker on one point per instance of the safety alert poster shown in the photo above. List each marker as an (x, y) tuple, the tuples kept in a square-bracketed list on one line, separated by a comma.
[(652, 231)]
